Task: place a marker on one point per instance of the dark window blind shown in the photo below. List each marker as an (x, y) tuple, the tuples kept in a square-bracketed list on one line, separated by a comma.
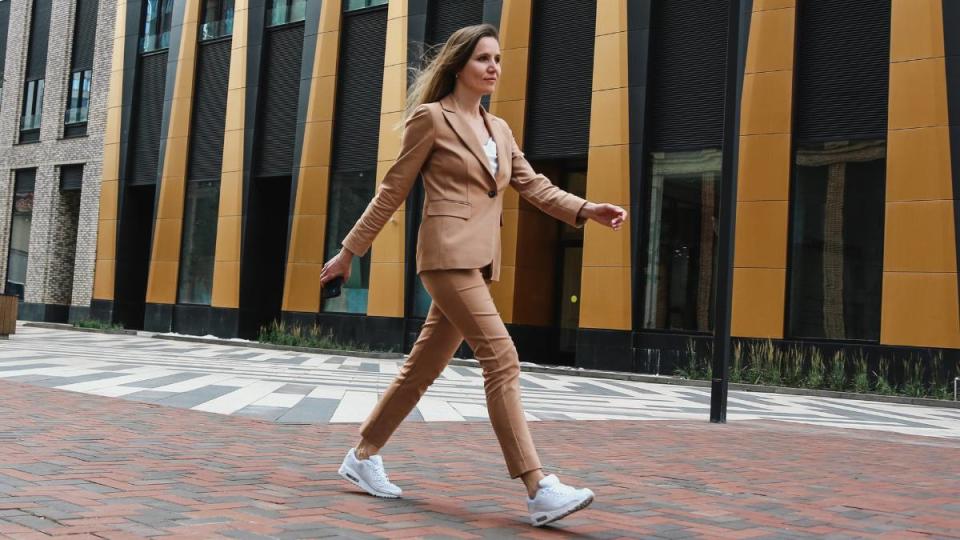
[(71, 177), (149, 117), (448, 16), (561, 78), (39, 34), (210, 111), (357, 121), (84, 34), (278, 106), (843, 67), (688, 61), (4, 28)]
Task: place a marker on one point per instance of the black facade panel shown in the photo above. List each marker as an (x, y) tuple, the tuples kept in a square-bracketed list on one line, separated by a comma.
[(209, 111), (357, 121), (148, 119), (843, 69), (39, 34), (561, 77), (279, 98), (687, 69), (448, 16), (85, 31), (4, 27), (71, 177)]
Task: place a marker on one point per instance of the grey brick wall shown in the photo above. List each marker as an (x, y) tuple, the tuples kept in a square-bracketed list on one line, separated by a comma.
[(57, 272)]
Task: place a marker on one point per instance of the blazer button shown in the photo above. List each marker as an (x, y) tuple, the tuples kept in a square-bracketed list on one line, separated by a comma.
[(492, 194)]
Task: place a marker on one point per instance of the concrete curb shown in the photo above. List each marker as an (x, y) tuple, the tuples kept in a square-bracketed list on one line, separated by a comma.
[(270, 346), (549, 370), (65, 326)]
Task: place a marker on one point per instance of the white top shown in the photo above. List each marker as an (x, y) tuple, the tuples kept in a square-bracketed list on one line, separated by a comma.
[(490, 148)]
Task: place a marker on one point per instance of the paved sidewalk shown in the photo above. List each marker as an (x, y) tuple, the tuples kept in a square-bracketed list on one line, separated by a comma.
[(294, 387), (100, 467)]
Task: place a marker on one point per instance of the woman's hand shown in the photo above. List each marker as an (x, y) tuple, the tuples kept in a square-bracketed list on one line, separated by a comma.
[(606, 214), (339, 265)]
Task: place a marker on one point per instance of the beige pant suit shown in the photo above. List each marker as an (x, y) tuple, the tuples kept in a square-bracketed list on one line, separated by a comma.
[(458, 255)]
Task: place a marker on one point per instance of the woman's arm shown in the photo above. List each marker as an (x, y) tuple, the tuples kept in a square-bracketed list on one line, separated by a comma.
[(556, 202), (415, 147)]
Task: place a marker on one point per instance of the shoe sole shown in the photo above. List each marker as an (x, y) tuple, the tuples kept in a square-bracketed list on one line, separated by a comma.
[(543, 518), (353, 478)]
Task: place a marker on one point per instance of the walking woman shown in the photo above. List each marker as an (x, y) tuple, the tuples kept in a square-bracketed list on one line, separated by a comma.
[(467, 158)]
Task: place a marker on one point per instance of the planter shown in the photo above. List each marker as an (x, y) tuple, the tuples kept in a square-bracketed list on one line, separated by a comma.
[(8, 315)]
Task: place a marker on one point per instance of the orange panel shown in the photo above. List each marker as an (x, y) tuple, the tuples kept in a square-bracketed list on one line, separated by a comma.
[(766, 102), (758, 302), (610, 62), (608, 174), (761, 235), (919, 237), (302, 288), (386, 290), (605, 298), (609, 117), (920, 310), (916, 29), (918, 164), (226, 284), (764, 165), (770, 46), (918, 94), (763, 5)]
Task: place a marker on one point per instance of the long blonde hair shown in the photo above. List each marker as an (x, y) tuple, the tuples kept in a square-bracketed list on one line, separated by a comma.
[(438, 78)]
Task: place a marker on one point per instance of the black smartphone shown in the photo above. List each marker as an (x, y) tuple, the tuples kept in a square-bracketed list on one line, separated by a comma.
[(332, 289)]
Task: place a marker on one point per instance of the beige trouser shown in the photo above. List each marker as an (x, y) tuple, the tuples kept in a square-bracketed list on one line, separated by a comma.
[(462, 308)]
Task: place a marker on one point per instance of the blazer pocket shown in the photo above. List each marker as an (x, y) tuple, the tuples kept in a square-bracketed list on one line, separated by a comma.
[(449, 208)]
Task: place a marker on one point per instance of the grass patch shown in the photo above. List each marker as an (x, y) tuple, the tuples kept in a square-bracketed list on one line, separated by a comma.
[(314, 337), (96, 324), (765, 363)]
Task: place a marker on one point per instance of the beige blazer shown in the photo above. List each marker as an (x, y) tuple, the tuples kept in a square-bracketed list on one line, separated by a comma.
[(463, 203)]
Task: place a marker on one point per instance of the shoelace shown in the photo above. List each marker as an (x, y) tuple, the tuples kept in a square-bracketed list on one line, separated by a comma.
[(380, 473), (559, 489)]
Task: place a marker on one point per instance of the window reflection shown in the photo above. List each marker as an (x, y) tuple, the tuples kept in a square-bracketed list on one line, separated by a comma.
[(286, 11), (836, 247), (217, 19), (350, 192), (156, 27), (32, 105), (199, 242), (680, 240), (19, 250), (78, 97), (351, 5)]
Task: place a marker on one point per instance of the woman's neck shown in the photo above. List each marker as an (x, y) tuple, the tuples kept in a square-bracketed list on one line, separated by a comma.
[(467, 102)]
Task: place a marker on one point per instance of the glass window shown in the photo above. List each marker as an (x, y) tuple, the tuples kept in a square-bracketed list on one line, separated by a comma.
[(156, 25), (836, 244), (199, 242), (286, 11), (20, 233), (217, 19), (78, 97), (351, 5), (680, 240), (32, 106), (350, 192)]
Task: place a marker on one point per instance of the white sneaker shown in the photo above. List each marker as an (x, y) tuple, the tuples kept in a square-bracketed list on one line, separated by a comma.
[(555, 500), (369, 475)]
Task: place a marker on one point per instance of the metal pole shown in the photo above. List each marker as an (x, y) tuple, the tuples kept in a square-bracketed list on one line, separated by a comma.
[(727, 215)]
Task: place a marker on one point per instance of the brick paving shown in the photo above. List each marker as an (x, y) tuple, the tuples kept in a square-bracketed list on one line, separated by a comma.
[(98, 467)]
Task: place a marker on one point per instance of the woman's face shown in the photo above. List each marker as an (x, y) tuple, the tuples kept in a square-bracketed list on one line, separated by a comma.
[(482, 71)]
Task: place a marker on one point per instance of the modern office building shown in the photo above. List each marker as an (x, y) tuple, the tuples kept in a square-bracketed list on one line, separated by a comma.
[(244, 137)]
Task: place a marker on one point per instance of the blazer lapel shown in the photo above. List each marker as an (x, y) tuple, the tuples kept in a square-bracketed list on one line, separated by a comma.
[(466, 134)]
